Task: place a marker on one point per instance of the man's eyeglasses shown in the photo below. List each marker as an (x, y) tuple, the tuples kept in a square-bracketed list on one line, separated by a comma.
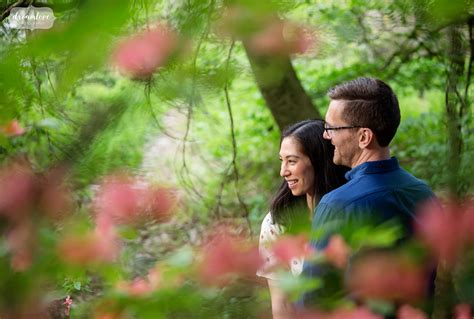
[(328, 128)]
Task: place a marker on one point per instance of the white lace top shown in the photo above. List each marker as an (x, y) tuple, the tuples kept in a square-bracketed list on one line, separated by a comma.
[(269, 233)]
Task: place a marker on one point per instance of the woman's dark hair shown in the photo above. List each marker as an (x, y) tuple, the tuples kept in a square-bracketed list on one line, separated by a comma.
[(284, 206)]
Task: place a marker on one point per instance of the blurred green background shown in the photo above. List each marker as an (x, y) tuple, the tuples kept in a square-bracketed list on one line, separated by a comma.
[(200, 122)]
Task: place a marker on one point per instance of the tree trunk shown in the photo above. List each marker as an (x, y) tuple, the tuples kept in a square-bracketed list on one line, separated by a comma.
[(445, 296), (281, 89), (454, 106)]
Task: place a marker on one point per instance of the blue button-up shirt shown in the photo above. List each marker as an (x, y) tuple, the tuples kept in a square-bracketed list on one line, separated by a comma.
[(376, 191)]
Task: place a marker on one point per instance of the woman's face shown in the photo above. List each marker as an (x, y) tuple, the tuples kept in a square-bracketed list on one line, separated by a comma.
[(296, 167)]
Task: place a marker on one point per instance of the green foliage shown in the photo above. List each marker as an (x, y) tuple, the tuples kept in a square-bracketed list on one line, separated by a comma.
[(421, 140), (79, 112)]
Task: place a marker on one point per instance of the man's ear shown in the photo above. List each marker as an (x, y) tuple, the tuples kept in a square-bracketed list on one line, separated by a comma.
[(366, 137)]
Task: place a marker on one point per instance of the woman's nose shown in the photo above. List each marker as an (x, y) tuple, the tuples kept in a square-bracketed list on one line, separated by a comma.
[(283, 171)]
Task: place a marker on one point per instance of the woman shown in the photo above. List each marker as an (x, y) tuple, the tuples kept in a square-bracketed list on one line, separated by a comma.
[(309, 173)]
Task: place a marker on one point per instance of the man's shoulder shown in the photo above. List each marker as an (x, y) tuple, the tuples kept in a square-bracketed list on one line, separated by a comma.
[(373, 186), (340, 197)]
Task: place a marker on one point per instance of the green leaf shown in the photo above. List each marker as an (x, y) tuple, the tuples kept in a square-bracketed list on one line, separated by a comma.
[(296, 286), (77, 285), (182, 258)]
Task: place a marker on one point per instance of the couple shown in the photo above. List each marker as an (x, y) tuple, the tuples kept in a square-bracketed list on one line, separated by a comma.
[(362, 118)]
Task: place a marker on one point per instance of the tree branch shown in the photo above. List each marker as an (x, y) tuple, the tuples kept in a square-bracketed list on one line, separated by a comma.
[(470, 24), (282, 90), (234, 143), (6, 11)]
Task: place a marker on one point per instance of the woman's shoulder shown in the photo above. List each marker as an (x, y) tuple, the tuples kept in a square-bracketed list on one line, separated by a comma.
[(269, 230), (268, 219)]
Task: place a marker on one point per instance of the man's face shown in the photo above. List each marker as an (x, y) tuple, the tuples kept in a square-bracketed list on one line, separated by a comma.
[(344, 140)]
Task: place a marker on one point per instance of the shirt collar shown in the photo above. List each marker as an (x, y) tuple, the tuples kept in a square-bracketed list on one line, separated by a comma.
[(373, 167)]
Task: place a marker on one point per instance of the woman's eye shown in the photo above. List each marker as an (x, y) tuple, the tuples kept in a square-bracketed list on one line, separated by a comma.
[(292, 161)]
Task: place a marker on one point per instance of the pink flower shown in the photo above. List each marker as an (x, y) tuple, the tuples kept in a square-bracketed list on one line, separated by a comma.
[(68, 304), (159, 203), (288, 247), (12, 128), (121, 200), (440, 229), (337, 251), (280, 38), (18, 191), (387, 276), (91, 248), (408, 312), (154, 277), (118, 201), (447, 228), (138, 287), (226, 256), (142, 54), (142, 287), (356, 313), (56, 198), (20, 240), (462, 311)]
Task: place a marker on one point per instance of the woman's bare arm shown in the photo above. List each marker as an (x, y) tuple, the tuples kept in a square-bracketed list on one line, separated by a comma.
[(282, 308)]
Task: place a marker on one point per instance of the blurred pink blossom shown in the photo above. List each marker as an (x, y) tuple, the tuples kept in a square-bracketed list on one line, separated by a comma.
[(288, 247), (142, 286), (446, 228), (118, 201), (12, 128), (224, 256), (89, 248), (356, 313), (281, 38), (68, 304), (155, 278), (122, 200), (409, 312), (142, 54), (159, 203), (56, 197), (18, 191), (138, 287), (20, 240), (387, 276), (462, 311), (337, 251)]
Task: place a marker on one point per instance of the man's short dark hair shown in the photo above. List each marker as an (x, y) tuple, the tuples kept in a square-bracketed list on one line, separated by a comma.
[(369, 103)]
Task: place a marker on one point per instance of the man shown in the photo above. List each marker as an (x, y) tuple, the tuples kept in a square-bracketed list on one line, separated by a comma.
[(362, 118)]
